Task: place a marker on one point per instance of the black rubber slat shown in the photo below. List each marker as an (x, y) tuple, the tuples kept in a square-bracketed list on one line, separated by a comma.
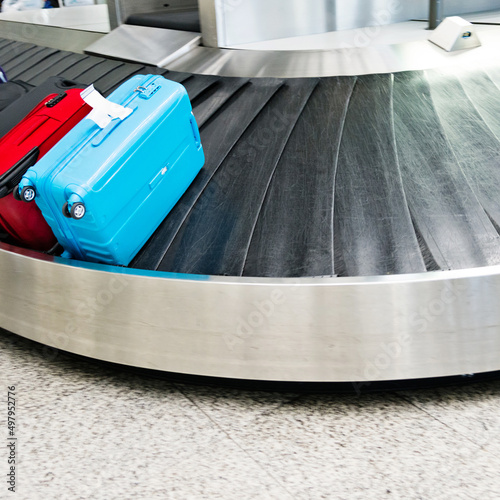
[(215, 237), (219, 135), (177, 76), (198, 84), (445, 210), (117, 76), (215, 97), (493, 71), (484, 94), (4, 43), (98, 72), (43, 68), (15, 50), (36, 58), (59, 68), (373, 224), (27, 59), (475, 146), (139, 70), (294, 233), (81, 67)]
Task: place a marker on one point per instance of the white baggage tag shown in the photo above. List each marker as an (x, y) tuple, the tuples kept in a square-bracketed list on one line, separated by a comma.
[(103, 111)]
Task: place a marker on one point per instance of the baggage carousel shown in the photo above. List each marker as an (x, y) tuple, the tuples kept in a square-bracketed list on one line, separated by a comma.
[(343, 229)]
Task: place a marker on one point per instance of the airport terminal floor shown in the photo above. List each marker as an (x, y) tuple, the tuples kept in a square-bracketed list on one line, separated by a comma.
[(317, 317), (91, 431)]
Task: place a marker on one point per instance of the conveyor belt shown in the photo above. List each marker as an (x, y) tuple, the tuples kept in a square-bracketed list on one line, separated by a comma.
[(229, 203), (219, 135), (445, 209), (383, 174), (374, 230), (302, 190)]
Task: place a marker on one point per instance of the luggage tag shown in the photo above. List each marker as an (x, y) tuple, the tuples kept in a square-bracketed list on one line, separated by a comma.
[(103, 111)]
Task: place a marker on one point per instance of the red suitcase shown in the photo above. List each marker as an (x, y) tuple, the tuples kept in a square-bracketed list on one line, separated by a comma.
[(20, 149)]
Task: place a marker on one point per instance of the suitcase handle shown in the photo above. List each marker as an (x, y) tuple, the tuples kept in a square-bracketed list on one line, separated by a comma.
[(67, 84), (196, 131), (10, 179), (101, 136), (31, 125)]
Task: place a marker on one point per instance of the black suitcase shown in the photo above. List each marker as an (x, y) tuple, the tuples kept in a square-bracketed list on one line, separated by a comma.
[(11, 91), (15, 112)]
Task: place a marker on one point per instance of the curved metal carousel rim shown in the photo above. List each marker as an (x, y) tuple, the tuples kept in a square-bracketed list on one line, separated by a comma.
[(352, 59), (357, 55), (296, 330)]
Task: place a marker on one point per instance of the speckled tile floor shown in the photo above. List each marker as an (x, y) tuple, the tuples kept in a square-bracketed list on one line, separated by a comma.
[(88, 431)]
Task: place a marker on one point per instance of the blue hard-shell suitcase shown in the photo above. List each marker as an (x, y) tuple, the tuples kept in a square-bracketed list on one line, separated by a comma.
[(109, 183)]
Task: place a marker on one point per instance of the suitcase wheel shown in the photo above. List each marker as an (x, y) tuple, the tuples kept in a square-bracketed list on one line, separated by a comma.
[(15, 193), (28, 194), (65, 211), (77, 211)]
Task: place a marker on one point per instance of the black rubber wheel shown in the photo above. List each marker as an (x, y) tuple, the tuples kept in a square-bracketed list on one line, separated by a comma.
[(15, 193), (28, 194), (65, 211), (77, 211)]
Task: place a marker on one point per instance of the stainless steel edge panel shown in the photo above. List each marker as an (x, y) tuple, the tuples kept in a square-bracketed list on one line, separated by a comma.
[(154, 46), (318, 329), (49, 36)]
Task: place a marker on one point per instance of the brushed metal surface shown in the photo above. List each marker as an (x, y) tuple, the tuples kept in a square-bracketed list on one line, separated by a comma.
[(119, 10), (246, 21), (159, 47), (321, 329), (227, 23), (347, 61), (211, 24), (84, 17), (73, 40)]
